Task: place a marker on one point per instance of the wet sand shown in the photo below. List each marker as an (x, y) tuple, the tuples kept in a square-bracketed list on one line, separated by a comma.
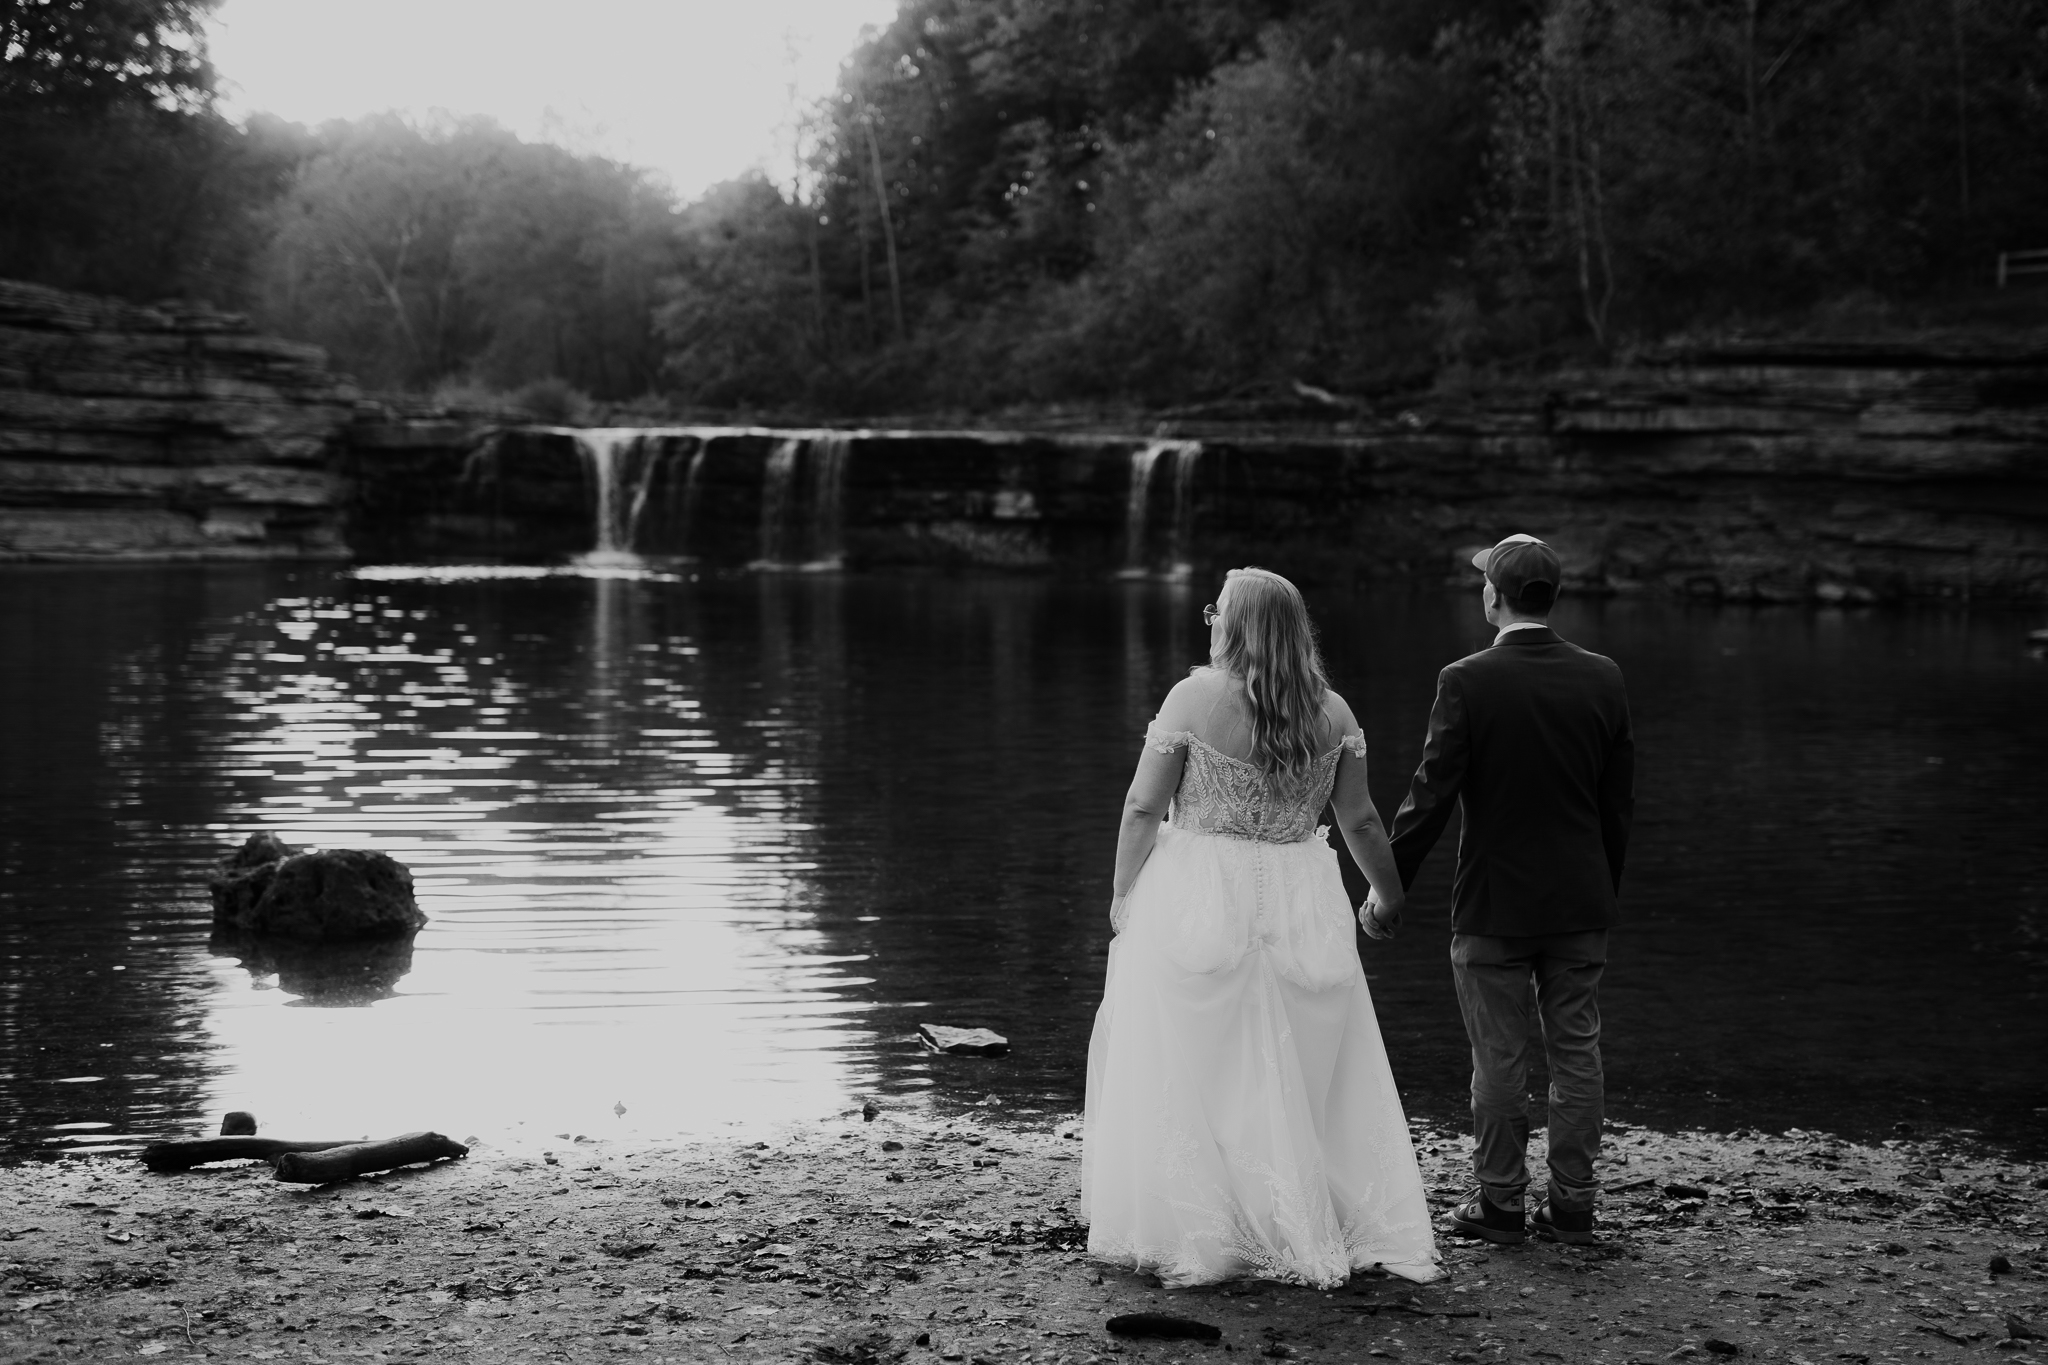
[(908, 1238)]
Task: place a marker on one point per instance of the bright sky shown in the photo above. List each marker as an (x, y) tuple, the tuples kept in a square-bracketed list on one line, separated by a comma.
[(698, 90)]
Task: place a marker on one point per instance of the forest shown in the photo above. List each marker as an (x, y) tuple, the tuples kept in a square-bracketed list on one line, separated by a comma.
[(1034, 204)]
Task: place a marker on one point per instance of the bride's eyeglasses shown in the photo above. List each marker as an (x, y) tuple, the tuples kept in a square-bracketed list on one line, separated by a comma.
[(1210, 613)]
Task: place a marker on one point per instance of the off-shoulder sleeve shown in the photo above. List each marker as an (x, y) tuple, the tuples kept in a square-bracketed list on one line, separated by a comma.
[(1354, 743), (1164, 740)]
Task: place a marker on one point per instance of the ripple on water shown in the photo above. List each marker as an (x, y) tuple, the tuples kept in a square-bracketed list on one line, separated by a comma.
[(710, 850)]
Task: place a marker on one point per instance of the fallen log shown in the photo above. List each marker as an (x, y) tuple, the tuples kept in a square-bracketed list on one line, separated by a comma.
[(332, 1161), (182, 1154)]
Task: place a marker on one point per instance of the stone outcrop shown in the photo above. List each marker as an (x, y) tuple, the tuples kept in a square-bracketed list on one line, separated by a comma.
[(167, 432), (265, 889)]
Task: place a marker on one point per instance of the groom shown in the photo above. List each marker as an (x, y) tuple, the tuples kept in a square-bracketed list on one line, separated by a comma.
[(1531, 738)]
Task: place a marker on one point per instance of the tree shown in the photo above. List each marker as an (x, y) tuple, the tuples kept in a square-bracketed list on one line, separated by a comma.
[(84, 56), (418, 254), (737, 314), (116, 174)]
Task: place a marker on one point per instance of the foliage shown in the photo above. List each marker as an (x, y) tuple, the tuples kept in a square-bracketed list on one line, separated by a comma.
[(1043, 201), (740, 317), (1661, 162), (115, 174), (1168, 199), (417, 253), (92, 55)]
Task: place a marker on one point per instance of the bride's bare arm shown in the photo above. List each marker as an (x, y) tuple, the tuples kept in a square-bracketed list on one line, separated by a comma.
[(1358, 820), (1145, 806), (1152, 789)]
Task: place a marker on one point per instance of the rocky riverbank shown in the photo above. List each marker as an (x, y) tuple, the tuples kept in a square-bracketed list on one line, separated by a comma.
[(908, 1238)]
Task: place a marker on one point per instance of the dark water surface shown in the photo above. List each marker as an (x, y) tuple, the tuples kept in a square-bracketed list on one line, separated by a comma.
[(710, 850)]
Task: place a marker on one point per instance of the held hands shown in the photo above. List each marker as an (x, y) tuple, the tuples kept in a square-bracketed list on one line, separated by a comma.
[(1379, 921)]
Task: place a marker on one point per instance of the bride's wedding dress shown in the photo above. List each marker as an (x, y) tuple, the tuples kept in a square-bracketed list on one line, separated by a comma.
[(1241, 1117)]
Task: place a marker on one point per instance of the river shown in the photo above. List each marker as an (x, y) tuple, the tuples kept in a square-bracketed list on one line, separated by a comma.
[(703, 851)]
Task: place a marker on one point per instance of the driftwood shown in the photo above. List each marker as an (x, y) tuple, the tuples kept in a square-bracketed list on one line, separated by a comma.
[(182, 1154), (318, 1164)]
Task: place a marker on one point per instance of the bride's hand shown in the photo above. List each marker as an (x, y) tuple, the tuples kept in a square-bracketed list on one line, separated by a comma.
[(1378, 919)]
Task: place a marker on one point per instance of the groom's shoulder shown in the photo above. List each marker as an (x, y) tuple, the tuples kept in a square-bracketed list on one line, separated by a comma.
[(1509, 659)]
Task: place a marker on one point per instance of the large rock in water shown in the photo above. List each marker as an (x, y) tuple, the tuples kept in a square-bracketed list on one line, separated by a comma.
[(266, 888)]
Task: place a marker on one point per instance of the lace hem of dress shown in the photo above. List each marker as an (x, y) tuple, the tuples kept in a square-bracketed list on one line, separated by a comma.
[(1185, 1267)]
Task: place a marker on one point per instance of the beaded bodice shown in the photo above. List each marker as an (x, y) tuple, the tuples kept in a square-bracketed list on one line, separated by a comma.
[(1219, 794)]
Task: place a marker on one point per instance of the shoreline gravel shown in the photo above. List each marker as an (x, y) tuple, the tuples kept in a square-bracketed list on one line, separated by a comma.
[(912, 1238)]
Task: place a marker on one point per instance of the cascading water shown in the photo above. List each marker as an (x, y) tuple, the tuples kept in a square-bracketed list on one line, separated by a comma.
[(778, 491), (829, 454), (1137, 507), (1182, 538), (803, 502), (693, 483), (622, 462)]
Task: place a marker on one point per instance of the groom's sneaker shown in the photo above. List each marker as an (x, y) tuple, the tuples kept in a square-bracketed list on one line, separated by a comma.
[(1477, 1217), (1563, 1225)]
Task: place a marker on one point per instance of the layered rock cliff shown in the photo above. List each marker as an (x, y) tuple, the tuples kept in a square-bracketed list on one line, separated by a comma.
[(163, 433), (1757, 473), (1754, 472)]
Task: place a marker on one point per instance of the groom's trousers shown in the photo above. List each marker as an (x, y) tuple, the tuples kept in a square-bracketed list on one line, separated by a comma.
[(1509, 989)]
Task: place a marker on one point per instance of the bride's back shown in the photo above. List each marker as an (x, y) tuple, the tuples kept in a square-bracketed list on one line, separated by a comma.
[(1222, 789), (1211, 705)]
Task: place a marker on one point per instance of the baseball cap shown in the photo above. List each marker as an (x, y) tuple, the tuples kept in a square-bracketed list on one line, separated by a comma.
[(1519, 563)]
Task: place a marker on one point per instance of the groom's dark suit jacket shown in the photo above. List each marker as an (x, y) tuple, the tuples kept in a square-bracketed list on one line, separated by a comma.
[(1532, 737)]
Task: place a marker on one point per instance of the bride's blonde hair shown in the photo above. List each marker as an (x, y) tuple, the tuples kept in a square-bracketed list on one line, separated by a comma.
[(1269, 644)]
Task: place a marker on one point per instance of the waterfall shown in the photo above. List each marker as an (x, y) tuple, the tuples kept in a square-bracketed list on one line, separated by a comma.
[(480, 466), (622, 462), (778, 486), (803, 503), (693, 481), (829, 453), (1185, 454), (1137, 507)]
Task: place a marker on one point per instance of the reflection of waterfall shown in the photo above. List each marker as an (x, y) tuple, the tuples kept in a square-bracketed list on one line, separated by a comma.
[(778, 487), (803, 520), (622, 462), (1137, 508)]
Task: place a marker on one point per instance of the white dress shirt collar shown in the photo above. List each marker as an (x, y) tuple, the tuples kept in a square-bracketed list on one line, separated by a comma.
[(1510, 629)]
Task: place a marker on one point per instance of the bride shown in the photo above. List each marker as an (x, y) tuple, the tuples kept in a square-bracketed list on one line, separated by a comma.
[(1241, 1119)]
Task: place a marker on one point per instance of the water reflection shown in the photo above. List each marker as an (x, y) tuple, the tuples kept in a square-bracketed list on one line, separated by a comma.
[(709, 851), (359, 972)]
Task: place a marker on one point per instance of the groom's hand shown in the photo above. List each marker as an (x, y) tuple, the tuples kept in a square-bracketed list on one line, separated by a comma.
[(1373, 919)]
